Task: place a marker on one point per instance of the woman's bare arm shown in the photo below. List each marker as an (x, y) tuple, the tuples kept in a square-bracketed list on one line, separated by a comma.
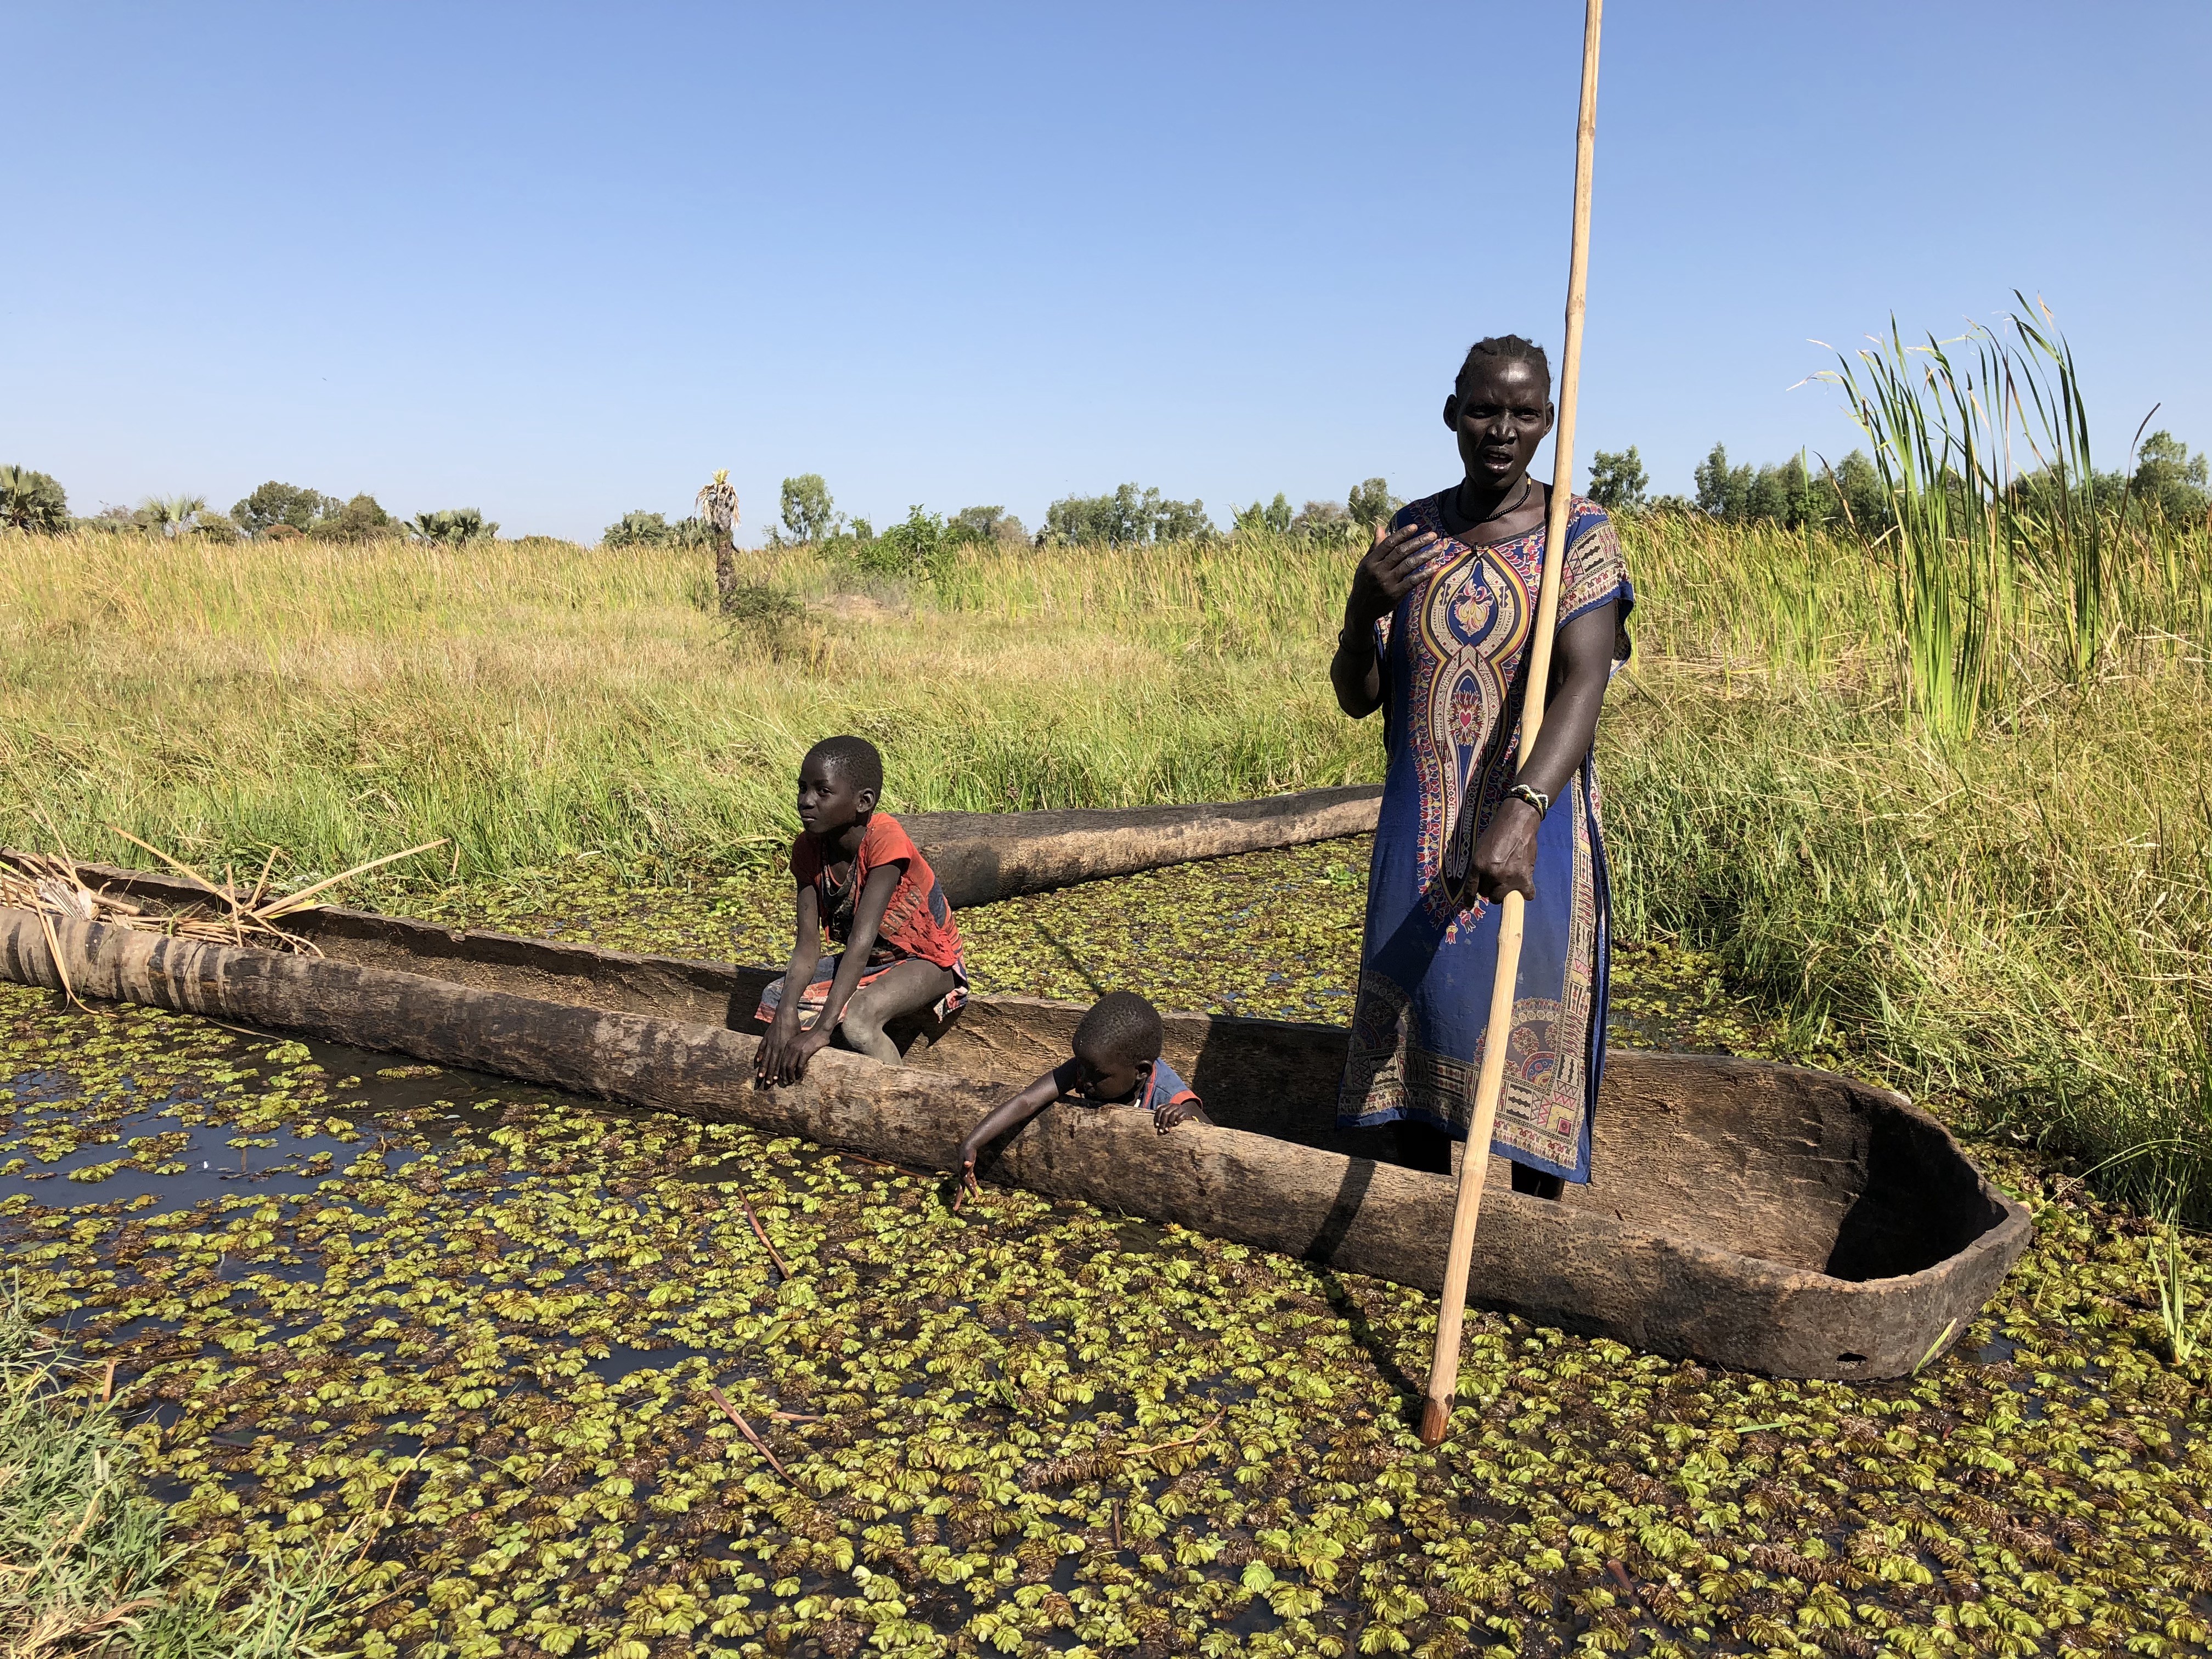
[(1506, 857)]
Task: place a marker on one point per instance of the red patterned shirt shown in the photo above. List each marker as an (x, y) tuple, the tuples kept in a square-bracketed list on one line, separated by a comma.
[(917, 922)]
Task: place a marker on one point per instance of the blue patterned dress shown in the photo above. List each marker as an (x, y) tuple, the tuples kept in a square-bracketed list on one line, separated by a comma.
[(1452, 656)]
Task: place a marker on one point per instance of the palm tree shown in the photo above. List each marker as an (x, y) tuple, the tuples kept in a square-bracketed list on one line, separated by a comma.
[(32, 501), (170, 515), (456, 523), (717, 503)]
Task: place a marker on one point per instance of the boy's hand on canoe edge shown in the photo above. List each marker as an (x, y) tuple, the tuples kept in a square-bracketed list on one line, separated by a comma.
[(784, 1053), (964, 1184), (1174, 1112)]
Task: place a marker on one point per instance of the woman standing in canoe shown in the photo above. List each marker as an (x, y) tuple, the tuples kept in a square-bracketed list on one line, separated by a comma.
[(1436, 633)]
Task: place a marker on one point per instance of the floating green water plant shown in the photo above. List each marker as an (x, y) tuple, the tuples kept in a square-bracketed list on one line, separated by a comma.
[(491, 1324)]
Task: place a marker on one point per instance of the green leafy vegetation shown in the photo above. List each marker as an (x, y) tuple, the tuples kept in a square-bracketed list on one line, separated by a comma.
[(168, 515), (1369, 503), (1128, 516), (986, 524), (637, 529), (809, 515), (457, 524), (505, 1338), (32, 502), (361, 519), (1617, 481), (293, 506)]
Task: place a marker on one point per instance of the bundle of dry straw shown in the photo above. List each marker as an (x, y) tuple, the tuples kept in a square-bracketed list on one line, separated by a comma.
[(53, 887)]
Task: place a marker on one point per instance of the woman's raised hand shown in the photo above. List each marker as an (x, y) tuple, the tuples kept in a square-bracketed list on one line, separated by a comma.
[(1393, 563)]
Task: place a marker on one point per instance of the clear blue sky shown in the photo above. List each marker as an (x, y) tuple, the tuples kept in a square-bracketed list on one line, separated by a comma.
[(557, 261)]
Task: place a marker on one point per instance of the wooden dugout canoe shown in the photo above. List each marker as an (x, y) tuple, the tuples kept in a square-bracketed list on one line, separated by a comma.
[(982, 857), (1760, 1217)]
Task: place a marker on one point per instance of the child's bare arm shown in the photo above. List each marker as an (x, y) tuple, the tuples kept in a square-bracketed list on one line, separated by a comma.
[(867, 921), (806, 950), (1014, 1111), (867, 916)]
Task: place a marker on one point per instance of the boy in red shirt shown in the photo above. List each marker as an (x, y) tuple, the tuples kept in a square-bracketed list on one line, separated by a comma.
[(862, 879)]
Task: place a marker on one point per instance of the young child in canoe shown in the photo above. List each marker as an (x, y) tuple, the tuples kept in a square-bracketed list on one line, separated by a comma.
[(1116, 1062), (861, 879)]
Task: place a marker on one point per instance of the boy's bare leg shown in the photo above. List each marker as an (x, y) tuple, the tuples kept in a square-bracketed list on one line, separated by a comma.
[(905, 988)]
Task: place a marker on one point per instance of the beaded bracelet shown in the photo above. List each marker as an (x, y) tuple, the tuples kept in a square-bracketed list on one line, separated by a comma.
[(1536, 798)]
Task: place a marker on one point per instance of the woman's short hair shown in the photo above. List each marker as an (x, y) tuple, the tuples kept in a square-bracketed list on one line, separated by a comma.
[(1503, 349)]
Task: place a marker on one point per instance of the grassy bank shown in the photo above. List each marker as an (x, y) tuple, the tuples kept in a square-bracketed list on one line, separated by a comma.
[(87, 1570), (2021, 919), (530, 702)]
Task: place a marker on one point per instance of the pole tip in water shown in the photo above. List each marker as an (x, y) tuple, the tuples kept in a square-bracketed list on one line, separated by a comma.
[(1436, 1422)]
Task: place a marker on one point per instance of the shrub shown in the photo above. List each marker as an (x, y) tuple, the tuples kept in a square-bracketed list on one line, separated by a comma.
[(637, 529), (358, 519), (215, 527), (915, 549), (291, 505), (764, 620), (32, 501)]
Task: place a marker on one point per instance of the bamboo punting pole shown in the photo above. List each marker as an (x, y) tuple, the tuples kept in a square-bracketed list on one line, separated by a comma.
[(1443, 1372)]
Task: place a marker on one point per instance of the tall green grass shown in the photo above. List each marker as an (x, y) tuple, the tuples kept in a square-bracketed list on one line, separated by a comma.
[(2019, 916), (84, 1570), (2007, 555), (342, 702)]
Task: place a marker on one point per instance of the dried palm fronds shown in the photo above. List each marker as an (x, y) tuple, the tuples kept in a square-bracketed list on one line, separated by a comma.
[(53, 887)]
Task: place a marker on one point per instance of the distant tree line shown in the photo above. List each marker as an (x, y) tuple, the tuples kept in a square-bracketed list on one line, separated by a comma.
[(1131, 515), (2168, 481), (275, 511)]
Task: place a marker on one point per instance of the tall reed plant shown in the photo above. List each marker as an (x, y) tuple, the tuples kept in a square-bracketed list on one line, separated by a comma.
[(2004, 535)]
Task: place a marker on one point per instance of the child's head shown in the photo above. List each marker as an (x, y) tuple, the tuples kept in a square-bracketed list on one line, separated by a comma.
[(839, 782), (1118, 1038)]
